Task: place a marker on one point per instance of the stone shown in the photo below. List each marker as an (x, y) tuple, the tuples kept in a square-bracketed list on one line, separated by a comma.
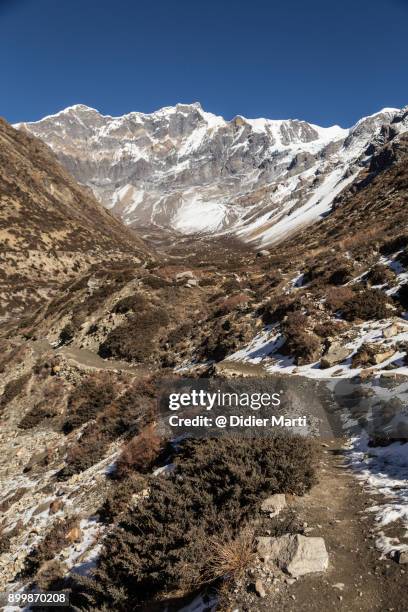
[(366, 373), (334, 355), (390, 331), (184, 275), (383, 356), (263, 253), (274, 504), (259, 588), (193, 282), (74, 535), (296, 554), (55, 506), (338, 585), (402, 557)]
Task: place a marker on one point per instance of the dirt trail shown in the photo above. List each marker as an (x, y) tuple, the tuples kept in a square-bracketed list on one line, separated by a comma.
[(336, 510), (85, 357)]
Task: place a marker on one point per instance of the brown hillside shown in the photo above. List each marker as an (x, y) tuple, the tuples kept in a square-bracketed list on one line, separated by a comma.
[(50, 227)]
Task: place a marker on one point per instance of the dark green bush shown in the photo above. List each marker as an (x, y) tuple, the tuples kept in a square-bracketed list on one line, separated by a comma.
[(163, 544)]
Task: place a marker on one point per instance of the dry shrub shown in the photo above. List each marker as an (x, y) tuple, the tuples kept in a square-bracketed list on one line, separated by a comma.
[(336, 298), (54, 541), (50, 574), (230, 558), (140, 454), (275, 309), (179, 334), (83, 454), (225, 337), (120, 496), (126, 416), (301, 343), (155, 282), (134, 340), (47, 408), (402, 296), (13, 389), (230, 285), (4, 542), (366, 305), (341, 276), (274, 278), (67, 333), (329, 328), (394, 244), (380, 275), (92, 396), (135, 303), (235, 302)]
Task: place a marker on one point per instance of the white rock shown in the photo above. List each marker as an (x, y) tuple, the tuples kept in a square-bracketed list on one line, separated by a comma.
[(296, 554), (390, 331), (274, 504), (259, 588), (185, 275)]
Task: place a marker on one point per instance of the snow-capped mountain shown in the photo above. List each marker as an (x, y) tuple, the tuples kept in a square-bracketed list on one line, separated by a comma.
[(185, 169)]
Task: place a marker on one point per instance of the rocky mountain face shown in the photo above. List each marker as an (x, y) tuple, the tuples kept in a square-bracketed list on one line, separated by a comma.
[(187, 170), (51, 228)]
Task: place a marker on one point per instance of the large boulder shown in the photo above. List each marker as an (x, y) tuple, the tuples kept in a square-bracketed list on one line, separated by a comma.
[(295, 554), (334, 355)]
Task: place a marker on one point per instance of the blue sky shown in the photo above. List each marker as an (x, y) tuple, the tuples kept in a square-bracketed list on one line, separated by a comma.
[(323, 61)]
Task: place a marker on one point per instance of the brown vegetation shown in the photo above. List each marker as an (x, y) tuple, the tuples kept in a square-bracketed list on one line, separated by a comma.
[(217, 486)]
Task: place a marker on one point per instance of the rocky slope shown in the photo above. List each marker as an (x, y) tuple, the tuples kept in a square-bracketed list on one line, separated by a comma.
[(51, 229), (187, 170)]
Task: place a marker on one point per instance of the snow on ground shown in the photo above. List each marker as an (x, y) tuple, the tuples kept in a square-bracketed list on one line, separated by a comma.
[(384, 470), (197, 215), (265, 349)]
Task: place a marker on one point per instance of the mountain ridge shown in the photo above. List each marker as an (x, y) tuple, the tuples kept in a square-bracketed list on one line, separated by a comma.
[(190, 171)]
